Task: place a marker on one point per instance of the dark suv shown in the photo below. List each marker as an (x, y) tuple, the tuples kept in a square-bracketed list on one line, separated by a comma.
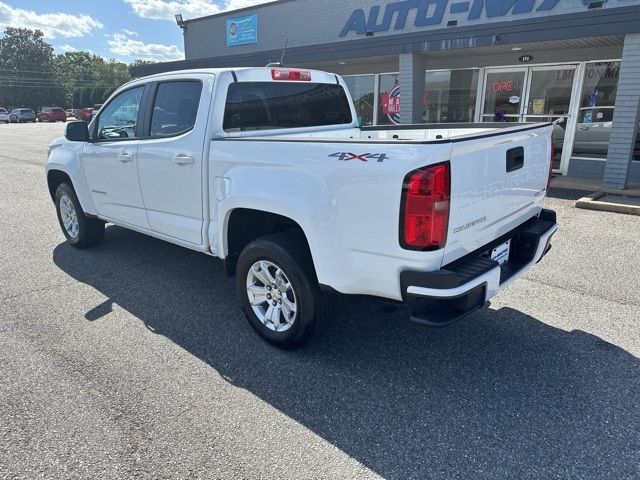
[(52, 114)]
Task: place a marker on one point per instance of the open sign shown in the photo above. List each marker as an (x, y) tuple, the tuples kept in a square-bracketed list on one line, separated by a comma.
[(503, 86)]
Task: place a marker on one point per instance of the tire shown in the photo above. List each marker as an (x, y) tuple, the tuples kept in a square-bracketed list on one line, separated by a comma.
[(312, 306), (80, 230)]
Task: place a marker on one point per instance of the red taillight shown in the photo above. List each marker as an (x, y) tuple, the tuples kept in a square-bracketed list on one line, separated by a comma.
[(424, 217), (291, 74)]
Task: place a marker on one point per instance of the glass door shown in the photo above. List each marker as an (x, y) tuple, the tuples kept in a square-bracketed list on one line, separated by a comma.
[(549, 97), (534, 94), (503, 94)]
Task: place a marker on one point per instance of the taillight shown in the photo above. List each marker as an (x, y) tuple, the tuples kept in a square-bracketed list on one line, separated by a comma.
[(424, 212), (291, 74)]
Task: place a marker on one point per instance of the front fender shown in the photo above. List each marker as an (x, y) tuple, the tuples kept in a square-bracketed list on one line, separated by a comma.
[(66, 157)]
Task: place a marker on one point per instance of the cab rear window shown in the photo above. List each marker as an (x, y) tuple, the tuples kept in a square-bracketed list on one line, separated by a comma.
[(270, 105)]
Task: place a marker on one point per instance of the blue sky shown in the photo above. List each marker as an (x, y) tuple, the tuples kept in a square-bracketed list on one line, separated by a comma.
[(122, 29)]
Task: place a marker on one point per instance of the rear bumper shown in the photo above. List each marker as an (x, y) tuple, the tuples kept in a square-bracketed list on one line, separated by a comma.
[(443, 296)]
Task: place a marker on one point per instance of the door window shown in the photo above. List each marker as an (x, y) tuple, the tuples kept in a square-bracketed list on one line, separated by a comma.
[(595, 116), (175, 108), (503, 96), (119, 119), (549, 100)]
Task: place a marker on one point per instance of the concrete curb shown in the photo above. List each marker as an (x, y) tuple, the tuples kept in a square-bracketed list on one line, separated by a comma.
[(590, 202)]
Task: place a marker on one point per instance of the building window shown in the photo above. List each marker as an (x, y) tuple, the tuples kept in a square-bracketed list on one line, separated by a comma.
[(450, 96), (362, 89), (595, 116), (389, 99)]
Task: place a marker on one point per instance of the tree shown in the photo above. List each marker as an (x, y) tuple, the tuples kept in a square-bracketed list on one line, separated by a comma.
[(27, 74), (87, 77), (32, 76)]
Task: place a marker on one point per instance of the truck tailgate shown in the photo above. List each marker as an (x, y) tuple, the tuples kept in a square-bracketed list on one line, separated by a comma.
[(497, 182)]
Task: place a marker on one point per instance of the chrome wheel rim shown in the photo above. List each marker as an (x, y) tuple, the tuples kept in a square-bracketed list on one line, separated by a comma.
[(271, 296), (69, 217)]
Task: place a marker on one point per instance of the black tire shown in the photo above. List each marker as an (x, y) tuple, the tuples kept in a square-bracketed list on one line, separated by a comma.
[(313, 306), (90, 230)]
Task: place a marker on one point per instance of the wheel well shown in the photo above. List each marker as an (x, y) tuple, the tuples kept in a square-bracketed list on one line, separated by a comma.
[(246, 225), (55, 178)]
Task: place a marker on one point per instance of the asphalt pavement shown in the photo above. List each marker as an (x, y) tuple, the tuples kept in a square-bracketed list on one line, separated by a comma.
[(132, 360)]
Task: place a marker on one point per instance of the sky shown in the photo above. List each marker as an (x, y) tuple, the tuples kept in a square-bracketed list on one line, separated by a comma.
[(125, 30)]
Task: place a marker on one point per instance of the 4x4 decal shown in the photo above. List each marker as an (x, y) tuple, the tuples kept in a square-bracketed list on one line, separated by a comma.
[(363, 157)]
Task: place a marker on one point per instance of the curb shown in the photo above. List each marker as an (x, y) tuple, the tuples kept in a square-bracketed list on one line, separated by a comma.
[(590, 202)]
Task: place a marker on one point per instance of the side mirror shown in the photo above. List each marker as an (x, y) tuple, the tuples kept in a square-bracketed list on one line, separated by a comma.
[(77, 132)]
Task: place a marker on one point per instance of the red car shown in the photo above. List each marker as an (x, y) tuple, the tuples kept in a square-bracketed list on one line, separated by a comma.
[(52, 114), (86, 114)]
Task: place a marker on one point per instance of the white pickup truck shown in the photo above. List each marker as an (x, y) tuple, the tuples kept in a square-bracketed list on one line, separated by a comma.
[(268, 170)]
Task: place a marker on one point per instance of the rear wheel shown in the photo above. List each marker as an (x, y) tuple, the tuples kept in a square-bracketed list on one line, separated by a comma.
[(279, 292), (80, 230)]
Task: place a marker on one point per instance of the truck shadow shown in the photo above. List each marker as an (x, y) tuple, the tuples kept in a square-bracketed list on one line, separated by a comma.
[(499, 395)]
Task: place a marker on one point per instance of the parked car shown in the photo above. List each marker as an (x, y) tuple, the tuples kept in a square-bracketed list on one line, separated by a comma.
[(268, 170), (22, 115), (86, 114), (96, 109), (71, 112), (52, 114), (4, 115)]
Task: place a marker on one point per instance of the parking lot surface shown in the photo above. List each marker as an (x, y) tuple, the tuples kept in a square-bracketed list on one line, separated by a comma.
[(133, 360)]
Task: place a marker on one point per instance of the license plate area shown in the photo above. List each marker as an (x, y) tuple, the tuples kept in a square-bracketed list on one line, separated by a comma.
[(501, 253)]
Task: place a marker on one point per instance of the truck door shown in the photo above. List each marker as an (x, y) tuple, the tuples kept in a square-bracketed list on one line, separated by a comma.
[(110, 160), (170, 156)]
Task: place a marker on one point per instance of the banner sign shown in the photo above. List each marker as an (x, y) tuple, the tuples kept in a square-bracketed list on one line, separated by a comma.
[(390, 103), (242, 30)]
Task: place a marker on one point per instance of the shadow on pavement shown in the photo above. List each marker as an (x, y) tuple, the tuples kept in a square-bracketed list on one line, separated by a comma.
[(567, 194), (499, 395)]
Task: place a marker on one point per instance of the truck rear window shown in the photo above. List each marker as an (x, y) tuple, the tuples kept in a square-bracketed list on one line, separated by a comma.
[(270, 105)]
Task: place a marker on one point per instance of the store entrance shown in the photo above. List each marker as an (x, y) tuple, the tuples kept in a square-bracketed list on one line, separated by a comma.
[(533, 94)]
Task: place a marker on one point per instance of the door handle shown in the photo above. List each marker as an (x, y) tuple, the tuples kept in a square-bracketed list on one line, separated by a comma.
[(125, 157), (515, 159), (183, 160)]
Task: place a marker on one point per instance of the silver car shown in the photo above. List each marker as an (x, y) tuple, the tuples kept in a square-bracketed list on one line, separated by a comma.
[(22, 115), (4, 115)]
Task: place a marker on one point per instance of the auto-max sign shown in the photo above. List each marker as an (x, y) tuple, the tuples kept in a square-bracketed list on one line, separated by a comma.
[(431, 12)]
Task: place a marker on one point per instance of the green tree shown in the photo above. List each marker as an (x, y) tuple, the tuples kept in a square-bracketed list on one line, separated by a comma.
[(27, 73), (87, 77)]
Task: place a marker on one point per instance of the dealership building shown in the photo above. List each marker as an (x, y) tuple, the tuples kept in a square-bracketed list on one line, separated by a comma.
[(575, 62)]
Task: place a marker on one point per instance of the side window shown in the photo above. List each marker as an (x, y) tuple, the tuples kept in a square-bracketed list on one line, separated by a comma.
[(175, 108), (119, 118)]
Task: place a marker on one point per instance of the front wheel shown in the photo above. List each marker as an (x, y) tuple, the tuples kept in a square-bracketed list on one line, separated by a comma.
[(80, 230), (279, 291)]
